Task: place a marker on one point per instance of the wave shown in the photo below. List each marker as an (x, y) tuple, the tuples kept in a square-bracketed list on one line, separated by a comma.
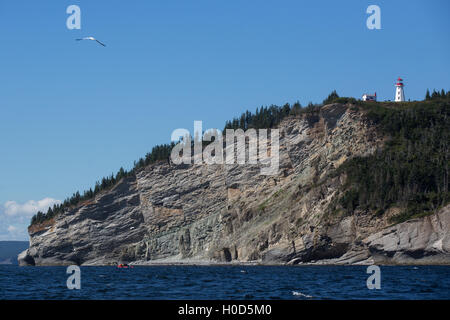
[(297, 293)]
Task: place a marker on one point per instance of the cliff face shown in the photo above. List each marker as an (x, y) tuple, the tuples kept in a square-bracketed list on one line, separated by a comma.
[(232, 213)]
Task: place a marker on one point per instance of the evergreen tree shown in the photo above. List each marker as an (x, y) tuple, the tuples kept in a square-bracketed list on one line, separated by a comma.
[(269, 117), (331, 97), (434, 95)]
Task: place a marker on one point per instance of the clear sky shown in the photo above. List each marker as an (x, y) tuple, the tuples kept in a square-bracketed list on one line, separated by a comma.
[(72, 112)]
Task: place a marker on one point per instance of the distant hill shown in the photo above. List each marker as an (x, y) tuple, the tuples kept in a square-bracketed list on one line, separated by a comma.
[(10, 249)]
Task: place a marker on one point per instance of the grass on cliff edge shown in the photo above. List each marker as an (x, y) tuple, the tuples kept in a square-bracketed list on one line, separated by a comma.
[(412, 169)]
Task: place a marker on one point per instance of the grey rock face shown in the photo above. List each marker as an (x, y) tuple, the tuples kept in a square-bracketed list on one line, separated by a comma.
[(232, 213), (426, 239)]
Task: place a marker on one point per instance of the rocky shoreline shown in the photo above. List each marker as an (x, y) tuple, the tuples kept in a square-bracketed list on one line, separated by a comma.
[(230, 214)]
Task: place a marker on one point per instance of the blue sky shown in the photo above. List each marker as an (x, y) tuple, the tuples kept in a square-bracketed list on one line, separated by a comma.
[(72, 112)]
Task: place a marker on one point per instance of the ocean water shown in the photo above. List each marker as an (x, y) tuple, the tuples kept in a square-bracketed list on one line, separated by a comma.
[(226, 282)]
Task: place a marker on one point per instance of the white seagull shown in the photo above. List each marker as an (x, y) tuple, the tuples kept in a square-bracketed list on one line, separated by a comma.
[(91, 38)]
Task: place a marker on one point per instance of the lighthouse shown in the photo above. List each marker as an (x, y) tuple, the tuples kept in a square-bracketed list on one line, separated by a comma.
[(399, 94)]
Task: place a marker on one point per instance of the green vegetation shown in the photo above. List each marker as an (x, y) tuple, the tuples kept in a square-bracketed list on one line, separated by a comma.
[(264, 117), (437, 95), (158, 153), (331, 97), (412, 170)]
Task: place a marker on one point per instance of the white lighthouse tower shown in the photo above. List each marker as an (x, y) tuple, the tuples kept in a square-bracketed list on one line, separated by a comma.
[(399, 94)]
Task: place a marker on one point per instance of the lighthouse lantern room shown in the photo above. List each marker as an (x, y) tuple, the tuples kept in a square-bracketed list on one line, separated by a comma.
[(399, 94)]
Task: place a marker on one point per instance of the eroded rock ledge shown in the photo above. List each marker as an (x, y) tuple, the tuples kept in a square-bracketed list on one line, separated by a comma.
[(232, 214)]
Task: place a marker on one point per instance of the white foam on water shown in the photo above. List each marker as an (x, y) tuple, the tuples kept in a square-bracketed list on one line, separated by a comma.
[(297, 293)]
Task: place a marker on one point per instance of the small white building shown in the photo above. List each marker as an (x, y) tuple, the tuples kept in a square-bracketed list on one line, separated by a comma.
[(369, 97)]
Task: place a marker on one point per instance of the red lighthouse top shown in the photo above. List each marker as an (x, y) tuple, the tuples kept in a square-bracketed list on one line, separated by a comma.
[(399, 82)]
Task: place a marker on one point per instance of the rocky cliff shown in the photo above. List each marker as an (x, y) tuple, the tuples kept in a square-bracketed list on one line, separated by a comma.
[(232, 213)]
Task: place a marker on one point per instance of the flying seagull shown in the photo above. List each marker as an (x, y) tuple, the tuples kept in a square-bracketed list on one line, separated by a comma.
[(91, 38)]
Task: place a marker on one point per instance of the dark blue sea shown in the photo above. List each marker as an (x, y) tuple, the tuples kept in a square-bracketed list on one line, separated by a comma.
[(226, 282)]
